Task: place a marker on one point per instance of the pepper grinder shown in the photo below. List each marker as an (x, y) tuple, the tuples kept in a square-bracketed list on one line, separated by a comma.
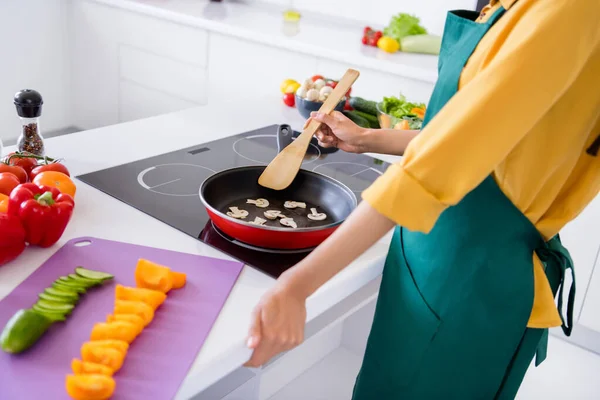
[(29, 108)]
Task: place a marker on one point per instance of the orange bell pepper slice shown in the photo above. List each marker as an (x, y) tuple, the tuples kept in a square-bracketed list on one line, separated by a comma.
[(90, 387), (419, 112), (85, 367), (154, 276), (131, 318), (153, 298), (119, 345), (118, 330), (135, 307), (107, 356), (179, 279)]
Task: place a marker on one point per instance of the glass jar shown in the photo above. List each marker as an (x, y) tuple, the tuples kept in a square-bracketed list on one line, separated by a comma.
[(29, 108)]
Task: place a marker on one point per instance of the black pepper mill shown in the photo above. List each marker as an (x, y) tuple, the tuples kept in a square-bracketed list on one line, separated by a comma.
[(29, 107)]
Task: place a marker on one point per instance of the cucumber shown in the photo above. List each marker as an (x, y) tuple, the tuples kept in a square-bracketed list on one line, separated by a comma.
[(357, 119), (66, 294), (94, 275), (86, 282), (23, 330), (68, 285), (56, 299), (426, 44), (54, 306), (51, 315), (373, 121), (362, 105)]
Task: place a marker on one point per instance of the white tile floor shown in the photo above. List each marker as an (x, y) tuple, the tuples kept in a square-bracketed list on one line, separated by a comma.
[(569, 372)]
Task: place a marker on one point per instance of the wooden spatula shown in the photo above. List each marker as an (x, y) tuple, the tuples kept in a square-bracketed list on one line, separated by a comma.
[(280, 173)]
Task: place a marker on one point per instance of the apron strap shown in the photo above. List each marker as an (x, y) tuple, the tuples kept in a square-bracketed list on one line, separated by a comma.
[(557, 261)]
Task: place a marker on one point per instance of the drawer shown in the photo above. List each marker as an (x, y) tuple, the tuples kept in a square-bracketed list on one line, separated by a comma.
[(137, 102), (179, 79)]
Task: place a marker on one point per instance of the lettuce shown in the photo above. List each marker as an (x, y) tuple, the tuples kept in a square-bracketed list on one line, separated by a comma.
[(403, 25), (398, 107)]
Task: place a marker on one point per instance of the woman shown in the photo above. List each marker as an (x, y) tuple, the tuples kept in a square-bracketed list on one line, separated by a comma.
[(507, 157)]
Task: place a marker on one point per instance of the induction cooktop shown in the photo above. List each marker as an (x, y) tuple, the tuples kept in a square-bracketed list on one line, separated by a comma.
[(167, 186)]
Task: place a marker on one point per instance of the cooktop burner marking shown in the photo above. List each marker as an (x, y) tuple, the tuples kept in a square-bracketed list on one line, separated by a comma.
[(235, 150), (162, 167), (348, 174)]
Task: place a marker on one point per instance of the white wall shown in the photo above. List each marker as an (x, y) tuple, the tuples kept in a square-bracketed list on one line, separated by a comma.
[(379, 12), (34, 54)]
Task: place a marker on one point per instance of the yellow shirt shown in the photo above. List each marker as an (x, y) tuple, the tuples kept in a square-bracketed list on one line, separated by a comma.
[(527, 108)]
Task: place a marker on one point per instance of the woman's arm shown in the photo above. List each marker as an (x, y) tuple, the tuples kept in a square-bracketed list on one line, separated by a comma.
[(278, 320), (339, 131), (387, 141)]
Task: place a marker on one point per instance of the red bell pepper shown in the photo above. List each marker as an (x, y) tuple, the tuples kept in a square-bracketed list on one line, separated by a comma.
[(12, 238), (43, 211)]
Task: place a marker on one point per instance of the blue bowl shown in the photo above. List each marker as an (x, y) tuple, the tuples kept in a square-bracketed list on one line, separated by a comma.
[(305, 107)]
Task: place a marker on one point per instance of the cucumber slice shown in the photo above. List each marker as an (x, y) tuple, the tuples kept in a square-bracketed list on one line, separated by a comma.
[(52, 316), (68, 285), (95, 275), (56, 299), (86, 282), (66, 294), (66, 279), (54, 306)]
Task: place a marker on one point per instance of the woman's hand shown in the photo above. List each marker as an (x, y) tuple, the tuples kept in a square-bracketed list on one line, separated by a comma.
[(338, 131), (277, 324)]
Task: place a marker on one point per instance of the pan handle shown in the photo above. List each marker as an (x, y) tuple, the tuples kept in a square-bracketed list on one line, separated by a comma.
[(284, 136)]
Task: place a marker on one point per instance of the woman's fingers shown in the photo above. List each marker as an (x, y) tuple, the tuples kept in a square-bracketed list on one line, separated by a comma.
[(323, 118)]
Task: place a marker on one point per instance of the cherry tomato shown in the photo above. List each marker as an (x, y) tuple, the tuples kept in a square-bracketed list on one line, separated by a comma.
[(55, 166), (367, 29), (56, 180), (15, 170), (289, 99), (21, 160), (378, 35), (8, 182), (365, 40), (348, 93), (347, 106), (317, 77)]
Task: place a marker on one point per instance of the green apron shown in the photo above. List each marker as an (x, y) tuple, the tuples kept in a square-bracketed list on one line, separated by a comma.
[(453, 307)]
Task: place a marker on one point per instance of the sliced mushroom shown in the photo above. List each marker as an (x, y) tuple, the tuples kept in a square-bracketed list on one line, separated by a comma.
[(294, 204), (258, 221), (315, 216), (273, 214), (262, 203), (237, 213), (288, 222)]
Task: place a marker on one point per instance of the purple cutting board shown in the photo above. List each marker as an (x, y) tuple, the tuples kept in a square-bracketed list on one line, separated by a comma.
[(159, 358)]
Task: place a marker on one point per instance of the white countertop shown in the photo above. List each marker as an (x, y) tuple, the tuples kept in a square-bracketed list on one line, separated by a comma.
[(99, 215), (318, 35)]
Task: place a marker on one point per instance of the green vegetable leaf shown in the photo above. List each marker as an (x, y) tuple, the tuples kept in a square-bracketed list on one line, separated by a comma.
[(403, 25), (398, 107)]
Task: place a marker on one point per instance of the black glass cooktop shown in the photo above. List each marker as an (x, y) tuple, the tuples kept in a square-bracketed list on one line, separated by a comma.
[(167, 186)]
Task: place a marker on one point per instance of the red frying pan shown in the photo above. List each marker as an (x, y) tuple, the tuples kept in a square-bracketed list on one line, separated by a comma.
[(319, 194)]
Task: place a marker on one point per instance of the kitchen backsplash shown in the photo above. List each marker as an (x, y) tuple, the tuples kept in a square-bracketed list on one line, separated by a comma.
[(379, 12)]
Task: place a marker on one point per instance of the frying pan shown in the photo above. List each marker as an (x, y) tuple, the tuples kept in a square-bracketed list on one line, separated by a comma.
[(233, 187)]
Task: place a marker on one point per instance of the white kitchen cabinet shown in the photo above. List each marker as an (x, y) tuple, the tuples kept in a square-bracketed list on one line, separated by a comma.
[(582, 238), (374, 85), (113, 47), (246, 69)]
